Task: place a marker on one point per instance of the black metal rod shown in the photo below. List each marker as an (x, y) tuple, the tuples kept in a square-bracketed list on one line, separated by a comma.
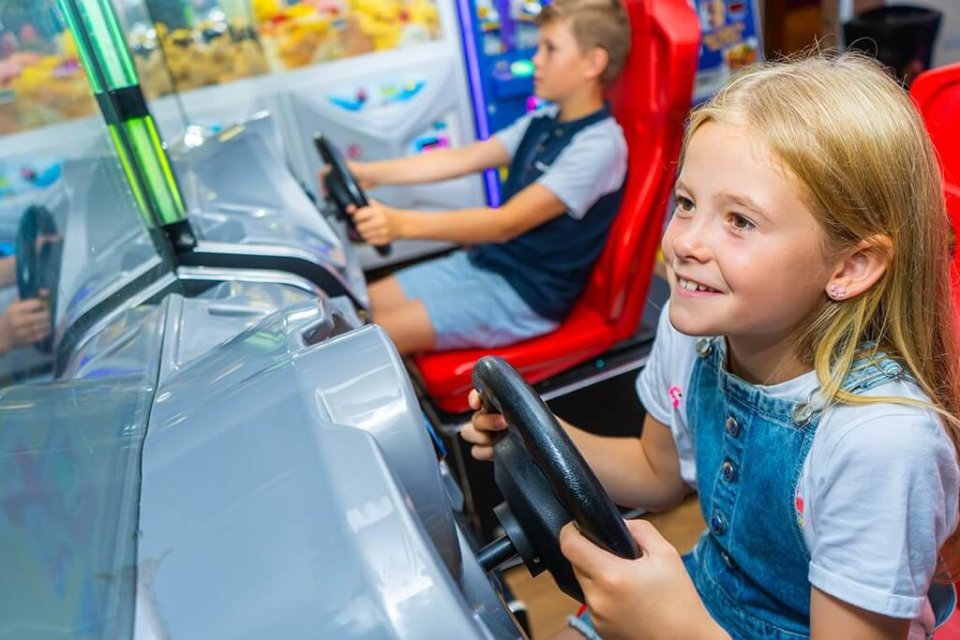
[(496, 553)]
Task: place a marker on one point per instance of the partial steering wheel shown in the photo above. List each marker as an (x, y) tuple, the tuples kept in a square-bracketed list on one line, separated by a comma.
[(545, 482), (38, 249), (342, 186)]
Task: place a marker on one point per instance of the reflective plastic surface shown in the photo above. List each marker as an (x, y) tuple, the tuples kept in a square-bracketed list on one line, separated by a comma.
[(72, 233), (41, 80)]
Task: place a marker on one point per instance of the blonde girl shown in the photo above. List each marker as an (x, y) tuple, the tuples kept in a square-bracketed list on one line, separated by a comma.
[(804, 379)]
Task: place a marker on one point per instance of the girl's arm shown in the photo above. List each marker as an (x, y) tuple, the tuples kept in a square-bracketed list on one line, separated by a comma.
[(440, 164), (637, 472), (833, 618)]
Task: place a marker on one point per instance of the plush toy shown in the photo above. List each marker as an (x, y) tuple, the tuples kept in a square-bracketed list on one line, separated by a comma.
[(300, 35), (391, 23), (379, 20)]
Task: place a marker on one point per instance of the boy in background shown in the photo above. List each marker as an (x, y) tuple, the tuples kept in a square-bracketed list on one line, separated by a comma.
[(530, 258)]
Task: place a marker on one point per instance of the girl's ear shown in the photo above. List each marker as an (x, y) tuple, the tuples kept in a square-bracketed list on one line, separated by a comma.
[(860, 267)]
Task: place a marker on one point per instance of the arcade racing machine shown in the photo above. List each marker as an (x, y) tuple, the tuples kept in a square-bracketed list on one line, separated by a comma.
[(246, 459)]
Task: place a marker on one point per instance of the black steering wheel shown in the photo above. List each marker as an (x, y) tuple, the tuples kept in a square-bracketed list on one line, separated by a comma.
[(38, 260), (342, 186), (545, 481)]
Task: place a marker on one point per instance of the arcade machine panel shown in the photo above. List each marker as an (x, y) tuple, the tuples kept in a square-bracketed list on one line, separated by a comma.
[(388, 113)]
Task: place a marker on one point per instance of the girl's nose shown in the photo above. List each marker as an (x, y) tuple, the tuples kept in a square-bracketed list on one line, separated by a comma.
[(688, 242)]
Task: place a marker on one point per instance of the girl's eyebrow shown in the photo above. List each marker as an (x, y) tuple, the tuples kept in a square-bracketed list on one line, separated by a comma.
[(744, 201)]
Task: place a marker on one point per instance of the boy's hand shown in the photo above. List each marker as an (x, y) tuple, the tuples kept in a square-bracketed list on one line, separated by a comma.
[(24, 322), (483, 430), (360, 170), (377, 223), (363, 173), (650, 597)]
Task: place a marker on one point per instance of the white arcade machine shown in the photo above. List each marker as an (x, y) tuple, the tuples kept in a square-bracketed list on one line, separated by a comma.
[(378, 78)]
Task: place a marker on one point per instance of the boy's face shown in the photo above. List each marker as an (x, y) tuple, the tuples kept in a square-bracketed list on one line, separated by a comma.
[(560, 67)]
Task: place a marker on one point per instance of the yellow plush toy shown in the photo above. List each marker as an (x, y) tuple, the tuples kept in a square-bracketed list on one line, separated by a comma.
[(424, 13), (379, 20), (392, 23)]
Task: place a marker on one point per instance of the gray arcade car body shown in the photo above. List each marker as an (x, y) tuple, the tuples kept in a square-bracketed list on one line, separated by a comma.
[(223, 452)]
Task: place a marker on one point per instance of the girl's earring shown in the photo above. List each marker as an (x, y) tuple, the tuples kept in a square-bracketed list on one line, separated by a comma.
[(837, 292)]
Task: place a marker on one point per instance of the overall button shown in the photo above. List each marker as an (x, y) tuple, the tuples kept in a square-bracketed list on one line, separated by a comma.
[(729, 471), (717, 524), (802, 413), (704, 345), (733, 427), (558, 132)]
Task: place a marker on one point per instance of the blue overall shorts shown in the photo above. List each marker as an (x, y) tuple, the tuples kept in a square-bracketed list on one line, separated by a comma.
[(750, 566)]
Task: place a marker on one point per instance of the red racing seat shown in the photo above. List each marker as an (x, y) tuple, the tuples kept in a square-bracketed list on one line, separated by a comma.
[(650, 101), (937, 95)]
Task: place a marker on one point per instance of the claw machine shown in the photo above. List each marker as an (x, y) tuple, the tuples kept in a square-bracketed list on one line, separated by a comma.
[(378, 78)]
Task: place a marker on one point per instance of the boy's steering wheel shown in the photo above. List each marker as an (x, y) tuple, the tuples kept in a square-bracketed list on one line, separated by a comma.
[(342, 186), (545, 482), (37, 266)]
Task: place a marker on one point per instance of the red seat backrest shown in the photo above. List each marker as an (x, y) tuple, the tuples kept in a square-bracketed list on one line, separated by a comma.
[(650, 101), (937, 95)]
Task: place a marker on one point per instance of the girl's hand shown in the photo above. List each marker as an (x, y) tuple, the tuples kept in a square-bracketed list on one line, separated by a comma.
[(483, 430), (650, 597), (377, 223)]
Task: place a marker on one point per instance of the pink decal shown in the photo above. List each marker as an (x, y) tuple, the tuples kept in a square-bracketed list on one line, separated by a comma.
[(676, 394)]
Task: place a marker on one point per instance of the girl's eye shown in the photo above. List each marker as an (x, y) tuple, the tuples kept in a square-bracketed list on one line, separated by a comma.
[(741, 223), (684, 204)]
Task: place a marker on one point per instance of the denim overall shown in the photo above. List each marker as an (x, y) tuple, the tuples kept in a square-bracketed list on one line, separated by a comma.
[(751, 565)]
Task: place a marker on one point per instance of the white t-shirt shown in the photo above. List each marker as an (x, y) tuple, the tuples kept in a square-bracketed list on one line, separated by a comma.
[(593, 164), (878, 494)]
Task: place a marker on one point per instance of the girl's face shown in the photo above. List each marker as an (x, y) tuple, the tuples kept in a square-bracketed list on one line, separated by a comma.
[(746, 258)]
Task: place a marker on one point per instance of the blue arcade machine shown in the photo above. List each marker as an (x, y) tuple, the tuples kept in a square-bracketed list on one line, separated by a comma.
[(730, 33), (499, 40)]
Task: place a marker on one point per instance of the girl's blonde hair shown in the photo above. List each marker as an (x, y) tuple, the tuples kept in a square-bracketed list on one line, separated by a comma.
[(867, 170)]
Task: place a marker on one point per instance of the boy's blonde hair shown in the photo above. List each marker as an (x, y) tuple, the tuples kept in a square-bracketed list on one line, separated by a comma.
[(866, 168), (595, 23)]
